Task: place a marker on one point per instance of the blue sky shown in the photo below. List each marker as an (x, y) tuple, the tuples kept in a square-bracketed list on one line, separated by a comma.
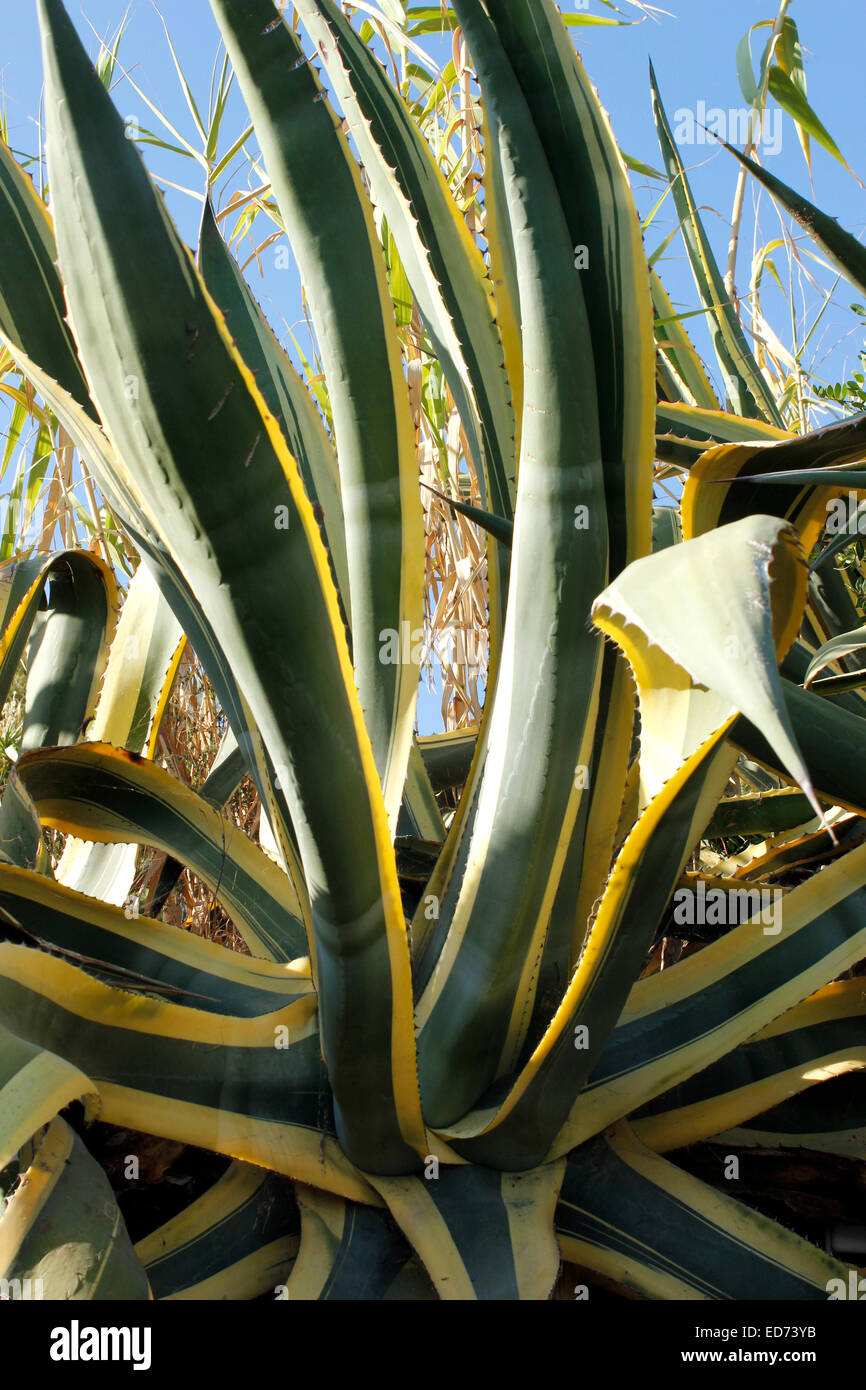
[(693, 51), (694, 57)]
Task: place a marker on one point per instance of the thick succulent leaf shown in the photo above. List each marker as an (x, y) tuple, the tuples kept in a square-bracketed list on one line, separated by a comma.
[(678, 360), (530, 1119), (796, 664), (21, 839), (448, 756), (604, 230), (481, 1234), (685, 432), (62, 1231), (67, 651), (38, 326), (71, 633), (119, 487), (761, 813), (420, 814), (597, 202), (503, 267), (747, 391), (253, 1088), (840, 685), (832, 610), (758, 595), (70, 627), (667, 528), (148, 957), (846, 253), (815, 477), (108, 869), (837, 647), (270, 778), (32, 310), (227, 772), (504, 863), (810, 848), (351, 1252), (34, 1086), (793, 478), (443, 265), (115, 482), (584, 873), (198, 413), (828, 1118), (659, 1233), (100, 793), (329, 221), (820, 1038), (678, 1022), (286, 396), (237, 1241), (832, 740), (590, 865), (142, 664), (741, 592)]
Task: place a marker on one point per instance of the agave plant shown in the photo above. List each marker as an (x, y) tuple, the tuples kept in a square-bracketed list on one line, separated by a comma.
[(443, 1066)]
